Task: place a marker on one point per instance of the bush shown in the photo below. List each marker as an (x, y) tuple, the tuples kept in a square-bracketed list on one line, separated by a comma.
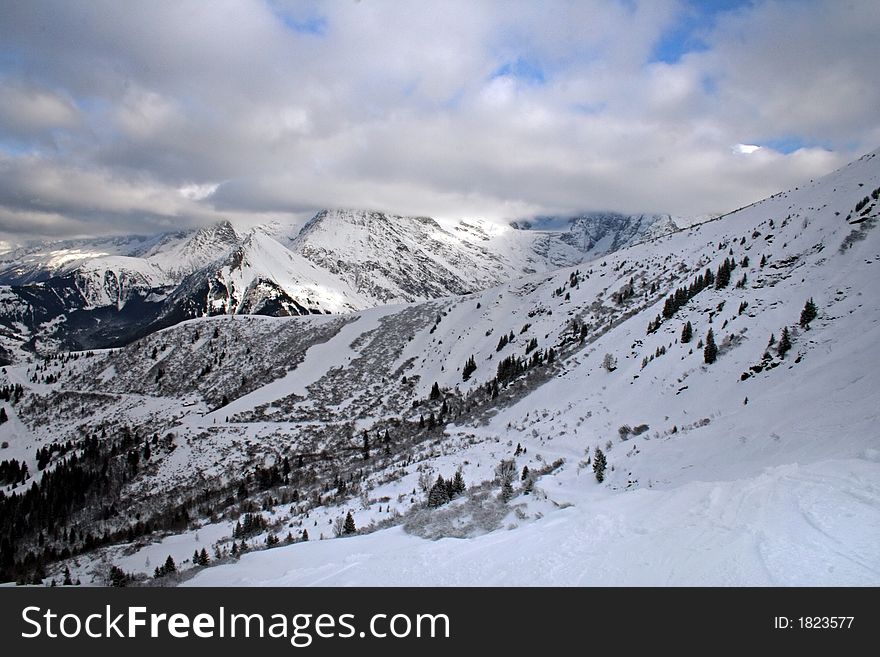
[(609, 362), (479, 513)]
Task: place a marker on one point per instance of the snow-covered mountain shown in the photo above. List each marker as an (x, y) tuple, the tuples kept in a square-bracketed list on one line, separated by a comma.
[(244, 432), (598, 233), (340, 261)]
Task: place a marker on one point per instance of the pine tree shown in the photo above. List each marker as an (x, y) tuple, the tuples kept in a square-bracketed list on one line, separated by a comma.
[(470, 367), (366, 447), (118, 577), (435, 391), (348, 526), (599, 465), (687, 332), (710, 351), (525, 473), (458, 486), (204, 560), (722, 276), (438, 495), (808, 314), (3, 416), (67, 580), (784, 343), (305, 535), (169, 567)]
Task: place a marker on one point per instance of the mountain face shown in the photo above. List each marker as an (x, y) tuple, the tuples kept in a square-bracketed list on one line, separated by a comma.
[(340, 261), (586, 421), (598, 233), (86, 294)]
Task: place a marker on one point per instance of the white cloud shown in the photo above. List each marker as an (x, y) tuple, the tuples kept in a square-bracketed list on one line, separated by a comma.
[(124, 116)]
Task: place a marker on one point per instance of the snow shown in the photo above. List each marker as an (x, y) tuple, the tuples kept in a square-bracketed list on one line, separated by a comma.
[(319, 359), (768, 479), (781, 489), (779, 528)]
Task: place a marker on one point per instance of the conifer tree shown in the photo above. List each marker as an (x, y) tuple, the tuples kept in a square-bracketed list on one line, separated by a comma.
[(348, 526), (469, 367), (599, 465), (710, 351), (438, 495), (458, 486), (808, 314), (118, 577), (687, 332), (784, 343), (435, 391)]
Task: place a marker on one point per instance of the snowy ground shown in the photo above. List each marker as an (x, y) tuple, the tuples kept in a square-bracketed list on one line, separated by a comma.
[(789, 526)]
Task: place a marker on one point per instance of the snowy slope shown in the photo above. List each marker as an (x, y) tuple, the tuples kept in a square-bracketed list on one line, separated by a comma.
[(180, 257), (771, 480), (755, 469)]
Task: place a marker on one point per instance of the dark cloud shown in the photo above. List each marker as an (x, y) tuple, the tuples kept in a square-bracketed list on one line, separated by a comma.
[(141, 116)]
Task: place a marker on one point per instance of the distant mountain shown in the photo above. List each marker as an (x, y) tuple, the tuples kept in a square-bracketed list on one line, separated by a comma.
[(595, 234), (92, 293)]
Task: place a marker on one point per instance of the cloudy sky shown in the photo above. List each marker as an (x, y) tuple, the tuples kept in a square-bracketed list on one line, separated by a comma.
[(145, 116)]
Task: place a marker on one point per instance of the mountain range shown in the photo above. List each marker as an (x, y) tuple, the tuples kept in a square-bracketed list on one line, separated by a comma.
[(94, 293)]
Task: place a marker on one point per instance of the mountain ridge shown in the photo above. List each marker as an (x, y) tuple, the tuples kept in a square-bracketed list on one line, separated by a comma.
[(339, 261)]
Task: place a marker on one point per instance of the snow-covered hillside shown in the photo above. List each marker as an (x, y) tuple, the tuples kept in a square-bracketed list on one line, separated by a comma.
[(761, 467)]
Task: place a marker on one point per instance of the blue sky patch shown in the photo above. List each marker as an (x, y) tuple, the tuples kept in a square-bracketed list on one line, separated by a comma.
[(312, 24), (686, 35), (522, 69), (787, 144)]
